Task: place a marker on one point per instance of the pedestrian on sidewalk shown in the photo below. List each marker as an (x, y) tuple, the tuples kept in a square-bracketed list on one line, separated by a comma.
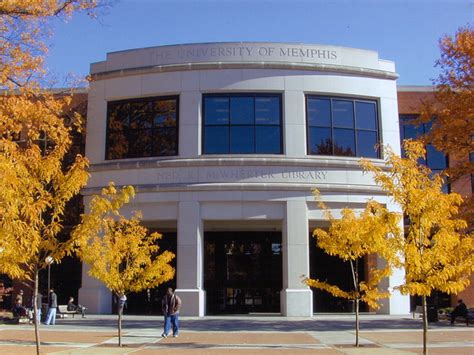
[(53, 304), (171, 304)]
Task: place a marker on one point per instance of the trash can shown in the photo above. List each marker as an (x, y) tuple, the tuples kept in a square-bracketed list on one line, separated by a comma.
[(432, 314)]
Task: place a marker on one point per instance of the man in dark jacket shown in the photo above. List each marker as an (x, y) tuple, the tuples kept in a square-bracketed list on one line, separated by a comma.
[(171, 305), (53, 304), (459, 311)]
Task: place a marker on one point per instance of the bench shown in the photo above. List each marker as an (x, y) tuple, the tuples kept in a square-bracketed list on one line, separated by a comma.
[(63, 312), (469, 317)]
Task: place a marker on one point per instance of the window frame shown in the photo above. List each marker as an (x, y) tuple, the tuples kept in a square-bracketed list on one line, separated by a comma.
[(404, 118), (153, 128), (230, 125), (355, 130)]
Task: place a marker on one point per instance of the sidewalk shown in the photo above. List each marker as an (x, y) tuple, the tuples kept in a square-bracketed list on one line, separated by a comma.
[(322, 334)]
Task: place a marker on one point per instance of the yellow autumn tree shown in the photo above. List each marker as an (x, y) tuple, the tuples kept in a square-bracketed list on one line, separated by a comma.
[(36, 183), (119, 251), (438, 254), (451, 112), (352, 238)]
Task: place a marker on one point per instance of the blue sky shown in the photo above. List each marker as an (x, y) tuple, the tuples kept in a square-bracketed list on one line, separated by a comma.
[(404, 31)]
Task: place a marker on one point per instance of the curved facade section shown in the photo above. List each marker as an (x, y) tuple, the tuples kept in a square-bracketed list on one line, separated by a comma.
[(224, 143)]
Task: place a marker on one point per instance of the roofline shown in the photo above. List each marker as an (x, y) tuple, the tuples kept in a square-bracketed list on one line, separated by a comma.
[(79, 90), (416, 88), (239, 42)]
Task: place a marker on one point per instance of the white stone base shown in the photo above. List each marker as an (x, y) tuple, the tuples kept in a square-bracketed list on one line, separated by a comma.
[(193, 302), (96, 299), (296, 302)]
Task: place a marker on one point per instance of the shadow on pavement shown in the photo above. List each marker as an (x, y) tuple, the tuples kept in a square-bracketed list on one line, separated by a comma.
[(250, 324)]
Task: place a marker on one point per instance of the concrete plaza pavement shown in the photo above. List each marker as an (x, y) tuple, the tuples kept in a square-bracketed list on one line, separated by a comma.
[(271, 334)]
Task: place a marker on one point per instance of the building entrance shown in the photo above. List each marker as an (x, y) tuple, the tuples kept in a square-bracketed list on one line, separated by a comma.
[(149, 301), (242, 272), (336, 272)]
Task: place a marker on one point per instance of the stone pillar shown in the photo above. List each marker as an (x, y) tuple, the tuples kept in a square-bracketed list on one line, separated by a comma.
[(295, 123), (190, 259), (398, 303), (296, 298), (94, 295), (189, 124)]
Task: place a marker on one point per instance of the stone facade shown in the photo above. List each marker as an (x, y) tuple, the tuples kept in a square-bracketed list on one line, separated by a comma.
[(192, 192)]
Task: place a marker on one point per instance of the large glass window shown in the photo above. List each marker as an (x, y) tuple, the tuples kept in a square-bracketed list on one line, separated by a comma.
[(242, 124), (435, 160), (343, 127), (146, 127)]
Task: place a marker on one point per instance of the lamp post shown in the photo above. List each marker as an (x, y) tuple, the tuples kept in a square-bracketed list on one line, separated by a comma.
[(49, 260)]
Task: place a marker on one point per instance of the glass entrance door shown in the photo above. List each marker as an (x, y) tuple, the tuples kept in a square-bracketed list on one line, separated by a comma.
[(242, 272)]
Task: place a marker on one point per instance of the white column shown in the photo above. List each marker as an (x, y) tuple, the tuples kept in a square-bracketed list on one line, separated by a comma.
[(295, 124), (296, 298), (93, 294), (189, 124), (398, 303), (190, 259)]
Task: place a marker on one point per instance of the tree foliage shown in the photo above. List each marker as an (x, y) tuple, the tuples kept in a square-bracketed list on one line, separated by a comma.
[(452, 109), (353, 238), (452, 113), (438, 253), (120, 252), (36, 183), (24, 28)]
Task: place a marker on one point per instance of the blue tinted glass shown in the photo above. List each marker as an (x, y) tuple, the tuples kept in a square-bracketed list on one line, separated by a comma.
[(216, 110), (342, 113), (344, 142), (267, 110), (268, 140), (242, 110), (320, 141), (366, 117), (411, 131), (435, 159), (216, 140), (319, 112), (242, 140), (167, 119), (366, 142)]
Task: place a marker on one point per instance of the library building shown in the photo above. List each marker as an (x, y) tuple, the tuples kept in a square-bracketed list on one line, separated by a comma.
[(224, 144)]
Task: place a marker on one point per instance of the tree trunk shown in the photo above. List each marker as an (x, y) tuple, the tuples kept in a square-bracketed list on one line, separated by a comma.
[(357, 321), (35, 313), (120, 328), (355, 279), (425, 325)]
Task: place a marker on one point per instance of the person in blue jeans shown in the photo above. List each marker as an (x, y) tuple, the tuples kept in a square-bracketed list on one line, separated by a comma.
[(53, 304), (171, 305)]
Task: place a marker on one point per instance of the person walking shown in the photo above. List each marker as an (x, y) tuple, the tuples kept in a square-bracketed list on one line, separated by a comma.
[(171, 304), (53, 304)]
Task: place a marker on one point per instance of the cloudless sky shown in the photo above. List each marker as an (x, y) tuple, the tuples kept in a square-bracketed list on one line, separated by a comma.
[(404, 31)]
